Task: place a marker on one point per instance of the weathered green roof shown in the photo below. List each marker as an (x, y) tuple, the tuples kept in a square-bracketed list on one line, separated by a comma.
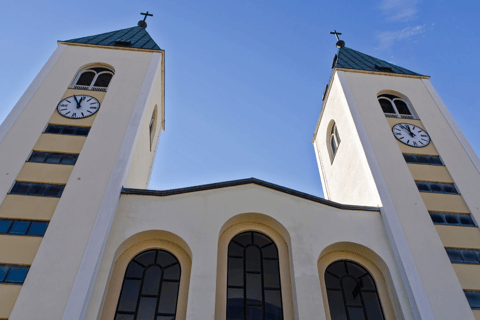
[(135, 37), (351, 59)]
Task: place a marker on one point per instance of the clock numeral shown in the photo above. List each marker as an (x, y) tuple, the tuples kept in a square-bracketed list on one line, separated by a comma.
[(68, 101), (415, 143), (423, 135), (67, 112), (74, 114), (408, 141), (82, 114), (402, 137), (89, 111), (93, 107), (89, 99)]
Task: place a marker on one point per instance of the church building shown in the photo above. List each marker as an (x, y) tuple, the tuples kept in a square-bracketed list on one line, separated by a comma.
[(82, 237)]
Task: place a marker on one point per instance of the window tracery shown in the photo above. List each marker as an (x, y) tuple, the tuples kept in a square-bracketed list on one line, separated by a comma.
[(352, 292), (94, 78), (150, 287), (253, 281), (395, 107)]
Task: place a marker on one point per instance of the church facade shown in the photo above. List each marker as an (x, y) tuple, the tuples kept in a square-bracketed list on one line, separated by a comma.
[(82, 237)]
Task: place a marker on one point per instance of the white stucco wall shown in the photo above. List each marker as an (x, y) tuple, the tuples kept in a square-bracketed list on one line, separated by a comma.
[(198, 218), (348, 178), (63, 246), (435, 270)]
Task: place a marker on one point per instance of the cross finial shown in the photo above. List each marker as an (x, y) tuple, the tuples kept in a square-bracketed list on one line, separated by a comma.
[(150, 15), (143, 23), (340, 43), (333, 32)]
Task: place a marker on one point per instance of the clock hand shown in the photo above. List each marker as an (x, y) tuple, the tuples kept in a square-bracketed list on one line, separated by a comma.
[(407, 128), (75, 100), (79, 105)]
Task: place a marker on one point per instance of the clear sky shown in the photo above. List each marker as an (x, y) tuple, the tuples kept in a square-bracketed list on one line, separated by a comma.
[(244, 78)]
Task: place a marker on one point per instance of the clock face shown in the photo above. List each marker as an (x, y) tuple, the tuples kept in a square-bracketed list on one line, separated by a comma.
[(411, 135), (78, 106)]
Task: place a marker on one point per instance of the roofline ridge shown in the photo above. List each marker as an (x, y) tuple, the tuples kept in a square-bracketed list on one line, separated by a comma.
[(240, 182)]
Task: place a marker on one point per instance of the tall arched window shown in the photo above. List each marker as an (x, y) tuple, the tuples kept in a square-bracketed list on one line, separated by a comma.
[(352, 293), (253, 282), (150, 287), (96, 78), (333, 141), (394, 106)]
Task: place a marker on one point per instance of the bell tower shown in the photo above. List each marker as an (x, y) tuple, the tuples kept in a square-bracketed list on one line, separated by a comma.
[(385, 138), (88, 125)]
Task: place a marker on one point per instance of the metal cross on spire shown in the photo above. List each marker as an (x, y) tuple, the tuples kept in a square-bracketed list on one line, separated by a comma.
[(150, 15), (333, 32), (340, 43), (143, 23)]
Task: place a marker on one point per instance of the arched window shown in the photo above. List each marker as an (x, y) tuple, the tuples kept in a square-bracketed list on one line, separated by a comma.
[(150, 287), (253, 281), (394, 106), (352, 293), (334, 141), (96, 78)]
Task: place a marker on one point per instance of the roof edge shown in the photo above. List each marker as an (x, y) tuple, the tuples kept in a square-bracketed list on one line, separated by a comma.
[(234, 183), (391, 74), (108, 47)]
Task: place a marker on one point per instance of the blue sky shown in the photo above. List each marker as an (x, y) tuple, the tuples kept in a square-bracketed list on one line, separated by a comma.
[(245, 78)]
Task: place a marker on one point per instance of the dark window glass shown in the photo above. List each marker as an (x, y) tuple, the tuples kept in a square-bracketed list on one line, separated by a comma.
[(451, 219), (37, 228), (409, 158), (78, 131), (150, 287), (422, 186), (386, 106), (473, 298), (4, 226), (435, 161), (38, 156), (53, 158), (53, 129), (401, 107), (67, 130), (20, 227), (437, 218), (69, 159), (470, 256), (455, 255), (466, 219), (82, 131), (103, 80), (422, 159), (253, 285), (44, 157), (16, 274), (37, 189), (449, 188), (86, 78), (3, 272), (98, 70), (351, 290), (54, 190), (20, 188)]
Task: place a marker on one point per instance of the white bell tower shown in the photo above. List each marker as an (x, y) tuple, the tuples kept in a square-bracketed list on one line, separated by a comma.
[(364, 161)]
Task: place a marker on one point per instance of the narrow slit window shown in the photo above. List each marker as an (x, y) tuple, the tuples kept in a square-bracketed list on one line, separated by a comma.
[(333, 141)]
